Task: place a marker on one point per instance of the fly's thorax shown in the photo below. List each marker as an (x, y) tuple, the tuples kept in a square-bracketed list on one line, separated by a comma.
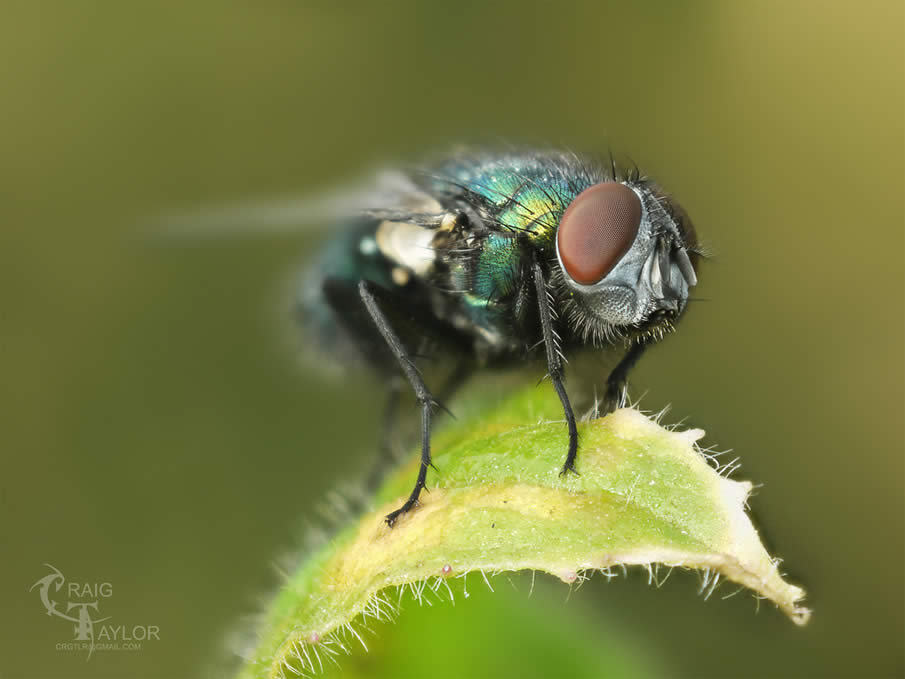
[(622, 263)]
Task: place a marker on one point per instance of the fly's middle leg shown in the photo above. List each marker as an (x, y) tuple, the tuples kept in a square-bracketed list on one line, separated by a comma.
[(422, 394)]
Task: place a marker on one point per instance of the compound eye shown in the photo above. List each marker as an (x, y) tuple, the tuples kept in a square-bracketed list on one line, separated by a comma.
[(597, 228)]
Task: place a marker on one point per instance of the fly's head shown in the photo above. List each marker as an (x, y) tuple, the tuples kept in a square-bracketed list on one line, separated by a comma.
[(625, 254)]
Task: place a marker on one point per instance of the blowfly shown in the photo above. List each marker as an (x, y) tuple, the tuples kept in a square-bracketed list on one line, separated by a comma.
[(490, 259)]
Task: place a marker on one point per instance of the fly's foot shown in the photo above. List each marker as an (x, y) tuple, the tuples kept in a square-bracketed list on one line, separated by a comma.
[(404, 509), (614, 399), (569, 467)]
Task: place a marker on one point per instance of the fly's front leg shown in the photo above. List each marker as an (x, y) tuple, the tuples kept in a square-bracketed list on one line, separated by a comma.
[(555, 366), (425, 400), (615, 383)]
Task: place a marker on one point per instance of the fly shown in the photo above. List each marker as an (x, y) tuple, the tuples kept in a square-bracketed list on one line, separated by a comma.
[(492, 258)]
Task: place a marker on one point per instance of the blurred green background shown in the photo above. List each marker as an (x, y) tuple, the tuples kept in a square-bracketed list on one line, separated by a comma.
[(158, 433)]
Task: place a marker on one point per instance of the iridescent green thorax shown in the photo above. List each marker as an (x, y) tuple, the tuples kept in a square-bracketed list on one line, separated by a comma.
[(523, 193), (498, 268), (494, 274), (518, 201)]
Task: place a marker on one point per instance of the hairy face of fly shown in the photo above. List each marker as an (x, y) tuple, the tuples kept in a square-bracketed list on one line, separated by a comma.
[(624, 266)]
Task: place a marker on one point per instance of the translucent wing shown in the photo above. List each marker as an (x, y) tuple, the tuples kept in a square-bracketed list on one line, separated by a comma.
[(388, 193)]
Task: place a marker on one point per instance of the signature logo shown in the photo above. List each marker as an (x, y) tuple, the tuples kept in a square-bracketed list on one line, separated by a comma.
[(88, 632)]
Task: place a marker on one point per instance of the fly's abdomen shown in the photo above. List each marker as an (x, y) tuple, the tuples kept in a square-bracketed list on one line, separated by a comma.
[(351, 256), (396, 259)]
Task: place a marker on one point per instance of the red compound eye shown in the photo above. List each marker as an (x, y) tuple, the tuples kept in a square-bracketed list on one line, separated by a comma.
[(598, 227)]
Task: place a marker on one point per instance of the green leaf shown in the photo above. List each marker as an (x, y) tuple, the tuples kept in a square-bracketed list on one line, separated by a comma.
[(645, 496), (515, 630)]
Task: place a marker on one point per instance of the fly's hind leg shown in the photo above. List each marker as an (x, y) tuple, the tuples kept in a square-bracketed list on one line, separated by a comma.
[(422, 394), (385, 450)]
